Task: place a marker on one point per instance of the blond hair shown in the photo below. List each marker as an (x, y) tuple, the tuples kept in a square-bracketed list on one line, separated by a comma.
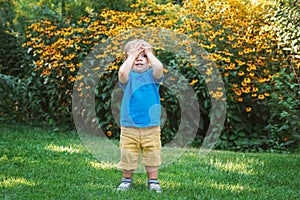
[(131, 43)]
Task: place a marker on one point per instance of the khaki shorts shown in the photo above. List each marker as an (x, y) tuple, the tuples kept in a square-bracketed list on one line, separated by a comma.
[(133, 140)]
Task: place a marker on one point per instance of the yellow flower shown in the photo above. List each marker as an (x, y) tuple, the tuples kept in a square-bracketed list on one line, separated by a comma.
[(86, 19), (261, 96), (72, 69), (266, 71), (244, 83), (254, 89), (253, 67), (109, 133), (240, 99), (46, 72), (248, 109), (227, 60), (247, 80), (71, 78), (238, 92), (194, 81), (219, 94), (231, 38), (261, 80), (246, 90), (241, 73), (274, 59), (193, 57), (209, 71), (80, 29), (248, 50)]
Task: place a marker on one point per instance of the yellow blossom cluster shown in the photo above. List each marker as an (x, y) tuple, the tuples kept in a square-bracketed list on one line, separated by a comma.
[(232, 31), (239, 41), (61, 49)]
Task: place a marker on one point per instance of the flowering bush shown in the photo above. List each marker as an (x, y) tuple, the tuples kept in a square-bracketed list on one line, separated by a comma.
[(235, 34), (284, 120)]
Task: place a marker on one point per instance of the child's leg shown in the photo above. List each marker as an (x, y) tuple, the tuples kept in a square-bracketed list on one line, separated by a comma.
[(152, 172), (153, 183), (128, 173), (151, 146), (130, 151)]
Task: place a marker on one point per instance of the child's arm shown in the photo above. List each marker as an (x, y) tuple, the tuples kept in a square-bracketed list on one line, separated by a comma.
[(125, 68), (157, 66)]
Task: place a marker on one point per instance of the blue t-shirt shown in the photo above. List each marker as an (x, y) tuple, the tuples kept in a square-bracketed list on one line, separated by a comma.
[(141, 100)]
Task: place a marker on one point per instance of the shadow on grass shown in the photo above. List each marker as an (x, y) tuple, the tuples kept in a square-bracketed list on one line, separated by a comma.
[(229, 175), (35, 163), (39, 164)]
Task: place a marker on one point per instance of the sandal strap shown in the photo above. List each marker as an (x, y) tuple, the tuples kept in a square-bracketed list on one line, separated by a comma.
[(151, 181), (126, 180)]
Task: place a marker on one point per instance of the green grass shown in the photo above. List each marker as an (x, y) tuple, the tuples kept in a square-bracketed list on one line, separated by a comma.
[(39, 164)]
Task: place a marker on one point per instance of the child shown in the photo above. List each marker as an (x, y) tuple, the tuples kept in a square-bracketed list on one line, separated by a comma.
[(140, 76)]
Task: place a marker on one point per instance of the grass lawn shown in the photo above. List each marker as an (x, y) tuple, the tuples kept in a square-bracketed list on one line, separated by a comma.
[(39, 164)]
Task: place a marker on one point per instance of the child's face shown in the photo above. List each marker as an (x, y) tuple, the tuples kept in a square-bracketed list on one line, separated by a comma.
[(141, 63)]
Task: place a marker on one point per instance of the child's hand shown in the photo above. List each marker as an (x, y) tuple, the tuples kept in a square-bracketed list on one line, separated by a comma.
[(135, 50), (147, 49)]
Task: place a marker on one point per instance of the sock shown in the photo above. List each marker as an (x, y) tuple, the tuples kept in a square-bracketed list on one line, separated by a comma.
[(127, 180)]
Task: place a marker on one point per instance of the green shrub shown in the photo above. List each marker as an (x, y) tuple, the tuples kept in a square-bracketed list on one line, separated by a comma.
[(15, 99), (284, 105), (244, 48)]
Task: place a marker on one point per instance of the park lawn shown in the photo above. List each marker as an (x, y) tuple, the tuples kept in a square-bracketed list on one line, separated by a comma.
[(40, 164)]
